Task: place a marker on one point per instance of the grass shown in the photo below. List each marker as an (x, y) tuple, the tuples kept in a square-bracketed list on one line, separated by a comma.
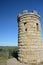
[(3, 60)]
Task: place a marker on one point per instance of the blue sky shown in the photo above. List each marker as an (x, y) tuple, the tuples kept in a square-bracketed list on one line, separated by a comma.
[(9, 9)]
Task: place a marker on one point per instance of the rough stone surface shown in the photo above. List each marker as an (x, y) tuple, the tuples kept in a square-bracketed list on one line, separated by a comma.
[(14, 61), (29, 37)]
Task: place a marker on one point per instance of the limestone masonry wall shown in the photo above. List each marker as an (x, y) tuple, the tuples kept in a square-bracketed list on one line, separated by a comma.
[(29, 37)]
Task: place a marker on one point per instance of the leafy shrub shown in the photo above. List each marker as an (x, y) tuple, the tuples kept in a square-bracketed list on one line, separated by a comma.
[(8, 52)]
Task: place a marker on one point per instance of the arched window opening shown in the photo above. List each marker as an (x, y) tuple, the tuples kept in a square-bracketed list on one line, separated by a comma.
[(26, 29)]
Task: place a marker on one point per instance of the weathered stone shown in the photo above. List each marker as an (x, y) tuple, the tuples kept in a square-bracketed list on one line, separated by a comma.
[(29, 37)]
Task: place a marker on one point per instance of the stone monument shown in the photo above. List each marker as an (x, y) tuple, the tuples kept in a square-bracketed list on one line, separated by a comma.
[(29, 37)]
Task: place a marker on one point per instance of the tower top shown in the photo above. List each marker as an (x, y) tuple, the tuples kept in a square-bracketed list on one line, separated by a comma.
[(25, 12)]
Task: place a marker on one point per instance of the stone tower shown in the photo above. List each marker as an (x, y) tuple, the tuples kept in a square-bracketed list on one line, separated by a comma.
[(29, 37)]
